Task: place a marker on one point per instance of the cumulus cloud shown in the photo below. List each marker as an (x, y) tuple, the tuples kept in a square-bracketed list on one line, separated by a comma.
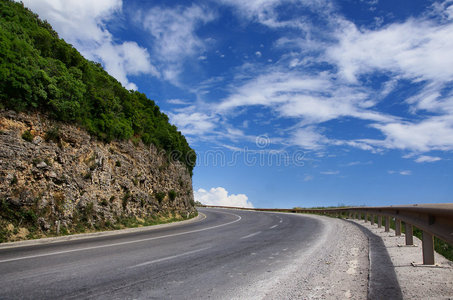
[(219, 196), (82, 23)]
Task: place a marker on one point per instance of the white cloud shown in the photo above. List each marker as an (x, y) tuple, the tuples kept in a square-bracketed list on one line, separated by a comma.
[(219, 197), (125, 59), (82, 23), (330, 172), (308, 178), (258, 54), (193, 123), (416, 49), (357, 163), (403, 172), (177, 102), (314, 98), (309, 138), (426, 158), (264, 11), (435, 133), (174, 33)]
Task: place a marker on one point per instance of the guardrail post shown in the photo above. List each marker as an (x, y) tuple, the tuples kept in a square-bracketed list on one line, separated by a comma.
[(372, 219), (428, 248), (409, 234), (397, 227), (387, 224), (379, 221)]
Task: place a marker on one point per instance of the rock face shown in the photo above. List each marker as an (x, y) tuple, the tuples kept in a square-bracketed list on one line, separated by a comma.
[(63, 177)]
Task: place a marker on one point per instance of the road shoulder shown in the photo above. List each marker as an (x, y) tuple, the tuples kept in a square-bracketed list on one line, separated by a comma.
[(90, 235), (420, 282), (336, 268)]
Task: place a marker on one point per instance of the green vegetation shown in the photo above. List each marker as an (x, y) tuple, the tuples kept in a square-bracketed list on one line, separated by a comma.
[(52, 134), (41, 72), (172, 195), (17, 217), (129, 222), (12, 218), (27, 136), (160, 196), (14, 180)]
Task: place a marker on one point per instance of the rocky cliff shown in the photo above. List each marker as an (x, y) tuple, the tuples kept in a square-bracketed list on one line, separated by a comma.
[(55, 177)]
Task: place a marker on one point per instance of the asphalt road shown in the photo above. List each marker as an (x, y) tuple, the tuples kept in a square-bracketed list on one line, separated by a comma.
[(217, 257)]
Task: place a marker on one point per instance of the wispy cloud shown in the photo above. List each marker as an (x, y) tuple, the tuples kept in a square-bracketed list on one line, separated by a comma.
[(417, 50), (308, 178), (403, 172), (356, 163), (426, 158), (175, 39), (330, 172)]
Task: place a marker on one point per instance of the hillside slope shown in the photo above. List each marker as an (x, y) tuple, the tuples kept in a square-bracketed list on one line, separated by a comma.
[(40, 72), (78, 151)]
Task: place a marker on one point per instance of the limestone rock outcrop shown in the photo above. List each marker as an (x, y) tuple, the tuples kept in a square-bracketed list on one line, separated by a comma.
[(62, 176)]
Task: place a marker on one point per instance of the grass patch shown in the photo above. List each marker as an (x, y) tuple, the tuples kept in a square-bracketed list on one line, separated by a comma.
[(27, 136)]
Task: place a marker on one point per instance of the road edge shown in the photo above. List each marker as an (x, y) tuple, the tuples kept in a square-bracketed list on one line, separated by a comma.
[(81, 236)]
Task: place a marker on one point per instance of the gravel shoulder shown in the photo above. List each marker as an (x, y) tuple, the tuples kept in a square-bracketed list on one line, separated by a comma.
[(415, 282), (354, 260), (336, 267)]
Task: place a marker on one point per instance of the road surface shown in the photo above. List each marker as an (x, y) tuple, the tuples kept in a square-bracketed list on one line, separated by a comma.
[(228, 254)]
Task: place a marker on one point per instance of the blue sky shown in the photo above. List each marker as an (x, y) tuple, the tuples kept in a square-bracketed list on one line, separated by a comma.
[(288, 103)]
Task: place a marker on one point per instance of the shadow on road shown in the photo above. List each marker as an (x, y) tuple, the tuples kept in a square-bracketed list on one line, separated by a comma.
[(383, 283)]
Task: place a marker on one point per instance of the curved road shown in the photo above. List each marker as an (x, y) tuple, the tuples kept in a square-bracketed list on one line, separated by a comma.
[(221, 256)]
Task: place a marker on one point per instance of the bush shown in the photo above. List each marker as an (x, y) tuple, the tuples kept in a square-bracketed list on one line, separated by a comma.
[(52, 134), (172, 195), (126, 197), (14, 180), (160, 196), (27, 136)]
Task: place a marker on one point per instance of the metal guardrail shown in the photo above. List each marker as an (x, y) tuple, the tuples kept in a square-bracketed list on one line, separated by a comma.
[(431, 219)]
